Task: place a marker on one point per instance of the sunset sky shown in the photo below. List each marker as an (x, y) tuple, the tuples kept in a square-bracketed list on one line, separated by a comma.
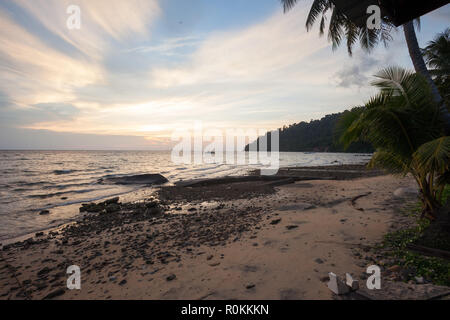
[(139, 69)]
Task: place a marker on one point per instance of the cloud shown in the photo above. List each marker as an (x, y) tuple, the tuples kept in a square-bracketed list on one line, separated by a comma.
[(34, 73), (356, 73), (169, 46), (101, 20), (120, 80)]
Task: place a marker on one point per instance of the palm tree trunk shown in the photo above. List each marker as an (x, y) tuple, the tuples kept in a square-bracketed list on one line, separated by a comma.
[(420, 66)]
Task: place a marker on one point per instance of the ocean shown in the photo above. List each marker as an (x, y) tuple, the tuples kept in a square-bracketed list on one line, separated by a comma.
[(59, 181)]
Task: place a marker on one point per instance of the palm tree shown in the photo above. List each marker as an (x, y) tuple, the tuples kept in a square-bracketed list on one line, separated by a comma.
[(341, 27), (402, 124), (437, 57)]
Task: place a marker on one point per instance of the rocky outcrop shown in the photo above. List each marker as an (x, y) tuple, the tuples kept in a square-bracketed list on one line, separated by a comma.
[(147, 179)]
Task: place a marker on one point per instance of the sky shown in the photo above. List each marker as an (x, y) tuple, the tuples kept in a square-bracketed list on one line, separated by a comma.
[(138, 70)]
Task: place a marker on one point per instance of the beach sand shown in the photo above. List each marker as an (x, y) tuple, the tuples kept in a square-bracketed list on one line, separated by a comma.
[(242, 240)]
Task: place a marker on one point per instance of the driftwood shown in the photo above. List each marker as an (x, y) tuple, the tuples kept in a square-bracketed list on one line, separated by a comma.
[(353, 200), (429, 251)]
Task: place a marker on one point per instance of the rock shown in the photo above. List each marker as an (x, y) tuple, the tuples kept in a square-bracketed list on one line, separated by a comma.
[(419, 280), (44, 271), (54, 294), (151, 204), (291, 227), (276, 221), (403, 192), (319, 261), (171, 277), (336, 285), (249, 286), (39, 234), (113, 207), (44, 212), (112, 201), (394, 268), (351, 283), (91, 207), (155, 211), (121, 283), (136, 179)]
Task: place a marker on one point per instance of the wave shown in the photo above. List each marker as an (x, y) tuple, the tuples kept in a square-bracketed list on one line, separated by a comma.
[(59, 172), (57, 194)]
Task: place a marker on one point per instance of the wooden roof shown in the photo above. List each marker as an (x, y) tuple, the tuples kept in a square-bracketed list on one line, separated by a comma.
[(399, 11)]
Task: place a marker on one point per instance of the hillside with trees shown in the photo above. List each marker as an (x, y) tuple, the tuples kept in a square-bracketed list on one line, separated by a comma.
[(315, 136)]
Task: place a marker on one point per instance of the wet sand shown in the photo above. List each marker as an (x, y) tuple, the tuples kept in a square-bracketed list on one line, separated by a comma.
[(234, 240)]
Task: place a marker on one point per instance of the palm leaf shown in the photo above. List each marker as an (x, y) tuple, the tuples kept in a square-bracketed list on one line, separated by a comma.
[(389, 161), (434, 156), (288, 4)]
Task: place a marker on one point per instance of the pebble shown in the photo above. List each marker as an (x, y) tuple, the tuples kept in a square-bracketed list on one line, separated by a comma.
[(121, 283), (54, 294), (276, 221), (171, 277)]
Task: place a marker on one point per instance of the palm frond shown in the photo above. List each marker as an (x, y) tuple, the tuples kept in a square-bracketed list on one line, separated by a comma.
[(392, 80), (389, 161), (288, 4), (434, 156), (342, 129), (318, 8)]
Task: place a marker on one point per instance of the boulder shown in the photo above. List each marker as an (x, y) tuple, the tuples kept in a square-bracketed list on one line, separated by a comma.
[(136, 179), (113, 207), (111, 201)]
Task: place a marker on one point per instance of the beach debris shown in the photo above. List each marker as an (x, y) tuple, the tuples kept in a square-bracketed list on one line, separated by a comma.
[(354, 199), (290, 227), (336, 285), (44, 212), (351, 283)]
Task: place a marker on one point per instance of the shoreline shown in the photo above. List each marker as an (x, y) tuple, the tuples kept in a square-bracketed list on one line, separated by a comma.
[(233, 240), (141, 192)]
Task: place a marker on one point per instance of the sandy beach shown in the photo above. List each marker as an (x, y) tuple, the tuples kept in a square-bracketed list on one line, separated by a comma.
[(238, 239)]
